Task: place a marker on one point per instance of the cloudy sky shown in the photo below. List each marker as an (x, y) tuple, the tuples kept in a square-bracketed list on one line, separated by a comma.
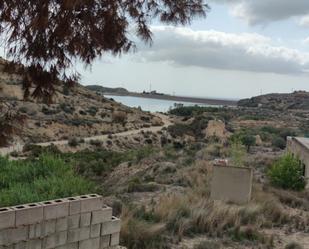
[(243, 48)]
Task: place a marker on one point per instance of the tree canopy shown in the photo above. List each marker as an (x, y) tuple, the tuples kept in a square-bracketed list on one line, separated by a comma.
[(47, 37)]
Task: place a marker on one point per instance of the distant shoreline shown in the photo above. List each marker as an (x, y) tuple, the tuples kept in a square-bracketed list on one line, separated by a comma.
[(206, 101)]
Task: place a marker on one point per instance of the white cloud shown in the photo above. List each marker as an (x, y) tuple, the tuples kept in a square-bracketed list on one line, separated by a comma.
[(227, 51), (265, 11), (304, 21), (305, 41)]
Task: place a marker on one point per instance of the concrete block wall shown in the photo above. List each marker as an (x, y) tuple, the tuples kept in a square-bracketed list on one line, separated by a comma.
[(81, 222), (232, 184)]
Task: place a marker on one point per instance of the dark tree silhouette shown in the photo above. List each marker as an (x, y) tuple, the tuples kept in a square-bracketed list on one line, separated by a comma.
[(10, 123), (46, 37)]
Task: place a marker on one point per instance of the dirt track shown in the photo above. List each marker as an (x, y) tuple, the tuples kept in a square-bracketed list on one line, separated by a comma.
[(19, 147)]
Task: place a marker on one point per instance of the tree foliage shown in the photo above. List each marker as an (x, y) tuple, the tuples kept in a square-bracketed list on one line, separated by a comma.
[(10, 123), (49, 36)]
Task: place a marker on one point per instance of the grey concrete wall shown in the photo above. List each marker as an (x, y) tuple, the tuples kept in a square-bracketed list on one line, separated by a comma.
[(81, 222), (296, 148), (232, 184)]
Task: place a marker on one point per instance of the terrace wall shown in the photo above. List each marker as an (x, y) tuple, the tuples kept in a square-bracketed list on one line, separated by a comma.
[(81, 222)]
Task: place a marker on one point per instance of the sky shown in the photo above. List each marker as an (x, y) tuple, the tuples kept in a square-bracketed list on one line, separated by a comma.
[(242, 49)]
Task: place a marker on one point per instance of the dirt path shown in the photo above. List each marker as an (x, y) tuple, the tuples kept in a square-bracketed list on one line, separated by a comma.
[(19, 147)]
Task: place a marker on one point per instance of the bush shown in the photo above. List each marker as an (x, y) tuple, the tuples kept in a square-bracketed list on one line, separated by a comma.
[(293, 245), (189, 111), (92, 110), (278, 142), (288, 173), (135, 185), (119, 117), (73, 142), (179, 130), (207, 245), (96, 143), (248, 141), (67, 108)]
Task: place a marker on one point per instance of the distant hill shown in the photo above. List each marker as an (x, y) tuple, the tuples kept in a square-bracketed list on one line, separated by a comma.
[(103, 89), (297, 100)]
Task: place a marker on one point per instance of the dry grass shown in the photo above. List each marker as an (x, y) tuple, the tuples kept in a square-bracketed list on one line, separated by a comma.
[(192, 212)]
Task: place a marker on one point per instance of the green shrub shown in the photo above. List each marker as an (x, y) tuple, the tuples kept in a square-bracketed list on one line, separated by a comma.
[(73, 142), (96, 143), (46, 178), (189, 111), (278, 142), (179, 130), (237, 154), (67, 108), (288, 173), (248, 141), (92, 110), (245, 137)]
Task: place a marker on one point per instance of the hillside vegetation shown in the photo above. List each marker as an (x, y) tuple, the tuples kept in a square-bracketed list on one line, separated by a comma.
[(74, 112), (297, 100)]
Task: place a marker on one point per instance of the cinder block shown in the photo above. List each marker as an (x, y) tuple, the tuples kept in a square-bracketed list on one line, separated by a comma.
[(55, 209), (28, 214), (49, 227), (36, 231), (115, 238), (73, 221), (62, 224), (111, 227), (14, 235), (7, 247), (95, 231), (90, 203), (7, 218), (69, 246), (34, 244), (79, 234), (20, 245), (85, 219), (90, 244), (105, 241), (54, 240), (74, 205), (100, 216)]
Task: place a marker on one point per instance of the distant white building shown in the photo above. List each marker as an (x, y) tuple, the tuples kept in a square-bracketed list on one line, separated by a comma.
[(299, 146)]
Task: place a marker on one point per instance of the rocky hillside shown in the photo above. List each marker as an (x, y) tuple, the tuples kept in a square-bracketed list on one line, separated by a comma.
[(297, 100), (75, 112)]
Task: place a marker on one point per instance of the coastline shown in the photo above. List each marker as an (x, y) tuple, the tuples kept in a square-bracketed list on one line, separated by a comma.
[(206, 101)]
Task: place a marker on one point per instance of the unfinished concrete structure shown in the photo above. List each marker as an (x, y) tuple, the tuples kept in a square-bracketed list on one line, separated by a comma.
[(71, 223), (232, 184), (299, 146)]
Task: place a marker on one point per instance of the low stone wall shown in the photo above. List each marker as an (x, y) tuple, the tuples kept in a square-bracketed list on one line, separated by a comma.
[(232, 184), (81, 222)]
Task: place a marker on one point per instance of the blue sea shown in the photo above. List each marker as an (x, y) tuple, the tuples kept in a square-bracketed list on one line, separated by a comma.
[(151, 105)]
